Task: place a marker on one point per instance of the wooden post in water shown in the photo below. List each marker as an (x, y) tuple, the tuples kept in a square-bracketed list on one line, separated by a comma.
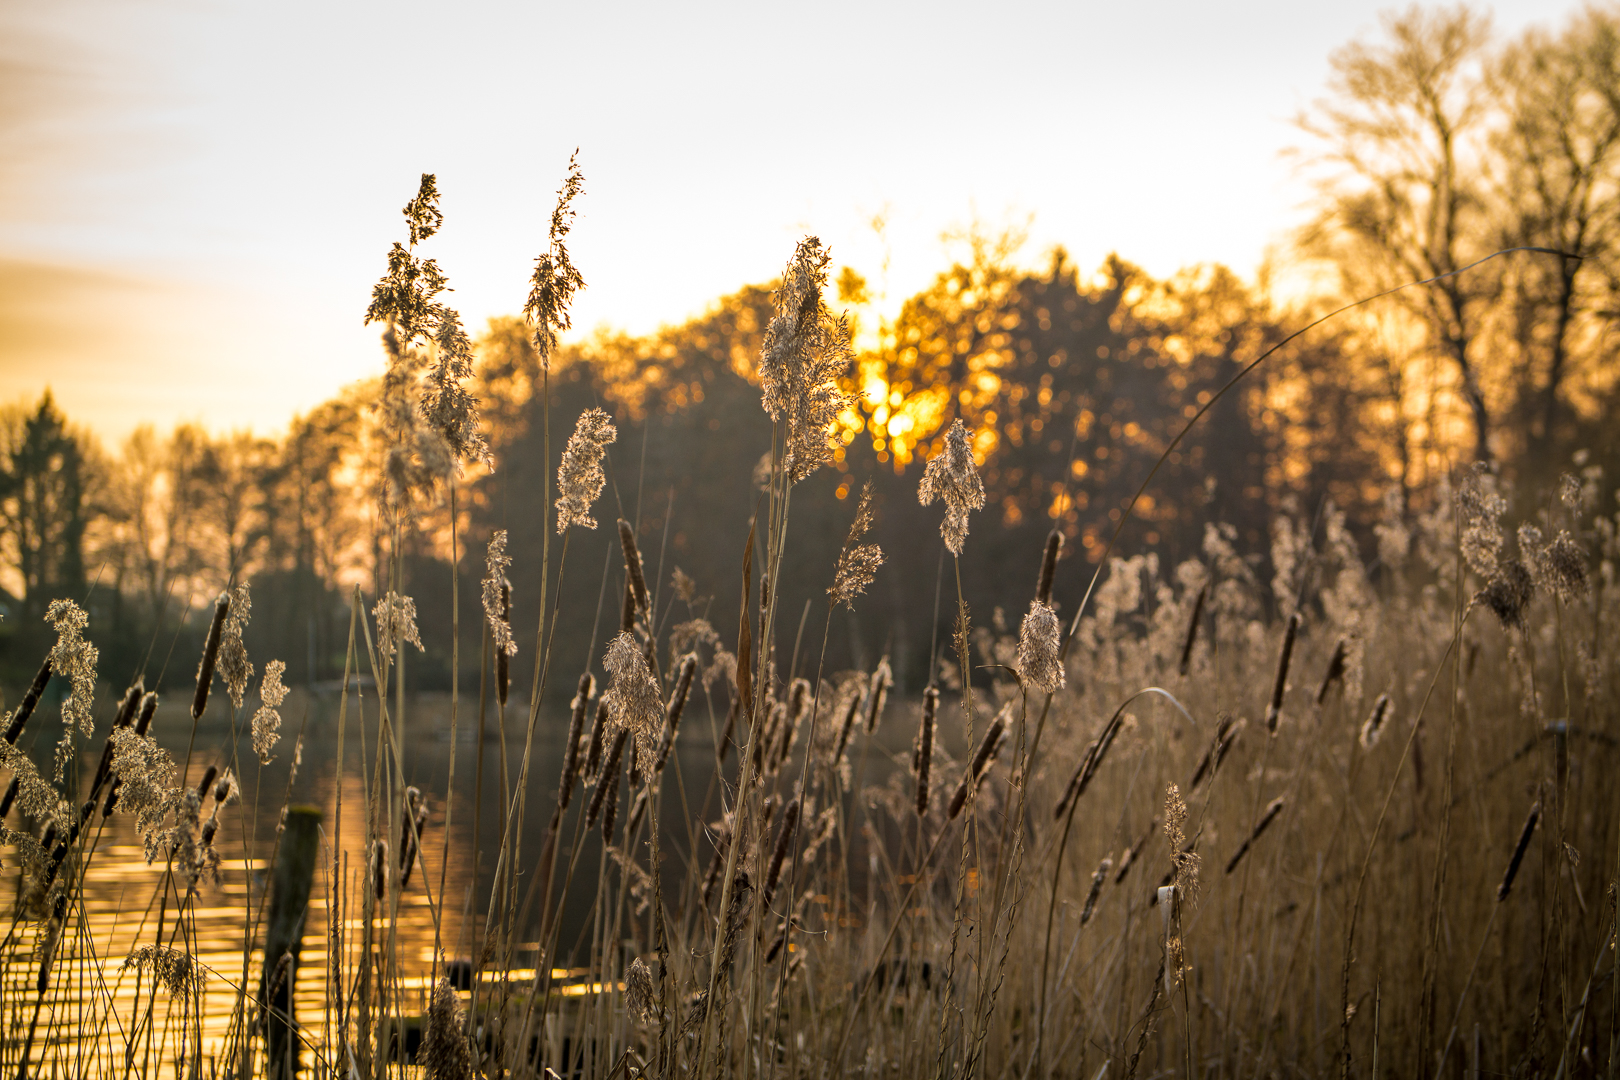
[(290, 881)]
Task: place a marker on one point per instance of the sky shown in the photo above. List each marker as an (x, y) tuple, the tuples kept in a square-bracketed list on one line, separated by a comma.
[(196, 196)]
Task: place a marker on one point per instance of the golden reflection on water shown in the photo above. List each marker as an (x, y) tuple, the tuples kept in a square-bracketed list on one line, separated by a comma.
[(95, 1008)]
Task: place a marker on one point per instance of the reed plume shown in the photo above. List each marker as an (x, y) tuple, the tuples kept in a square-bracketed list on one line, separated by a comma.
[(396, 623), (234, 670), (497, 596), (555, 278), (857, 562), (267, 720), (952, 477), (445, 1053), (803, 358), (579, 478), (74, 659), (637, 703)]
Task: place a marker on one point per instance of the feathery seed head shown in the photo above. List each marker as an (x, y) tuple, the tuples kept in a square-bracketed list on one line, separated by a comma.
[(494, 593), (555, 280), (396, 623), (1481, 508), (1184, 863), (953, 478), (234, 669), (804, 354), (1040, 643), (267, 720), (73, 658), (857, 563), (445, 1054), (1509, 592), (637, 704), (1563, 565), (579, 477), (639, 994)]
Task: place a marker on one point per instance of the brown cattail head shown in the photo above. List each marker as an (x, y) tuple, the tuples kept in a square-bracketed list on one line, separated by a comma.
[(1089, 764), (1335, 671), (846, 723), (207, 782), (784, 843), (610, 806), (1375, 722), (1192, 629), (1049, 558), (593, 756), (722, 841), (1273, 808), (764, 739), (627, 612), (878, 696), (1134, 853), (799, 703), (30, 700), (1097, 880), (923, 759), (1226, 733), (210, 656), (736, 918), (143, 719), (379, 868), (983, 757), (124, 717), (677, 706), (9, 797), (576, 726), (632, 567), (609, 776), (503, 665), (1274, 710), (1506, 887)]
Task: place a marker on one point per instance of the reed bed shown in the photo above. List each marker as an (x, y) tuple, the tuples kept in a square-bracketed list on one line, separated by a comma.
[(1181, 821)]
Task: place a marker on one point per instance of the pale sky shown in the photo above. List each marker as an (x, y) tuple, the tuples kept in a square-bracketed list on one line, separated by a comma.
[(197, 195)]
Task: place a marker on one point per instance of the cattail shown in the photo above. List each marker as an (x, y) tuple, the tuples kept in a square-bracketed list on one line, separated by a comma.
[(1135, 852), (677, 705), (846, 724), (632, 567), (784, 843), (29, 702), (609, 776), (639, 995), (207, 782), (1273, 808), (1226, 733), (210, 656), (1097, 880), (766, 736), (9, 797), (416, 815), (1040, 648), (610, 806), (1274, 710), (503, 665), (736, 918), (878, 696), (923, 759), (1089, 764), (1506, 887), (593, 757), (1375, 722), (224, 788), (982, 759), (627, 611), (1335, 671), (124, 717), (379, 867), (576, 725), (722, 841), (47, 839), (799, 702), (767, 813), (731, 725), (1049, 558), (1192, 629)]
